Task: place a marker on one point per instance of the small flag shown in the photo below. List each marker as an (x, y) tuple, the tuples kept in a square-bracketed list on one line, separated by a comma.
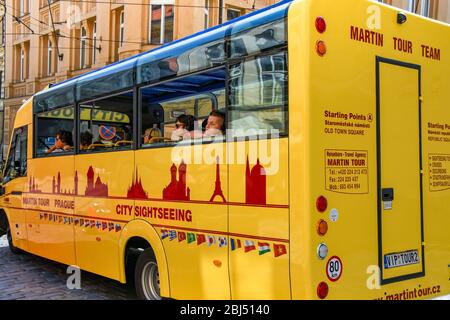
[(164, 233), (279, 250), (81, 222), (86, 223), (190, 237), (55, 217), (60, 219), (99, 225), (172, 235), (92, 223), (50, 217), (222, 242), (181, 236), (249, 245), (66, 220), (104, 225), (118, 227), (210, 240), (239, 244), (70, 220), (232, 244), (41, 216), (263, 247), (110, 226), (76, 220), (200, 239), (45, 216)]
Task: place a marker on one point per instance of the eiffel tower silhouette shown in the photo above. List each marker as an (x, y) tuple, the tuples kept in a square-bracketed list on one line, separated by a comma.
[(218, 190)]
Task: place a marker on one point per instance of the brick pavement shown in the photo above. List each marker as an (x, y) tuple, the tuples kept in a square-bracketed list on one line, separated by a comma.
[(28, 277)]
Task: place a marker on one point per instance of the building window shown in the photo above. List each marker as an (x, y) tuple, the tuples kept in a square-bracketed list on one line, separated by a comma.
[(21, 7), (22, 65), (83, 48), (94, 43), (425, 8), (122, 28), (49, 57), (161, 22), (206, 14), (233, 13)]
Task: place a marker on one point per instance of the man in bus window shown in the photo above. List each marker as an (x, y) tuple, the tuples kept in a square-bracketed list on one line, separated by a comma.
[(85, 140), (63, 142), (216, 124)]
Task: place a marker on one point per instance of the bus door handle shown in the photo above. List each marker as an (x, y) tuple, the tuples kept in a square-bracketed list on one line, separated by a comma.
[(387, 195), (16, 193)]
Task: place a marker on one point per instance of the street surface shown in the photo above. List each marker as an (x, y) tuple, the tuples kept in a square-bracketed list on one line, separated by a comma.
[(28, 277)]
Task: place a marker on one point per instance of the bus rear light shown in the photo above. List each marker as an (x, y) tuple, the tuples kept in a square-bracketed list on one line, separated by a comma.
[(322, 227), (321, 204), (321, 25), (322, 290), (321, 48)]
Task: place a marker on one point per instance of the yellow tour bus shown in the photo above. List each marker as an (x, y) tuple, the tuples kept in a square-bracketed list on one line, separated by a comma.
[(301, 151)]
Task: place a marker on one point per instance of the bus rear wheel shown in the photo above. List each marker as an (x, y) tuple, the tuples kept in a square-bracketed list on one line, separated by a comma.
[(147, 276), (13, 249)]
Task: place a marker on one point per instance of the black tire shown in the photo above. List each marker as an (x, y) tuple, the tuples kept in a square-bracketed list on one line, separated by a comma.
[(13, 249), (146, 276)]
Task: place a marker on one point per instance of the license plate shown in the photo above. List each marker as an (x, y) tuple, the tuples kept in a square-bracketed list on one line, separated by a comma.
[(400, 259)]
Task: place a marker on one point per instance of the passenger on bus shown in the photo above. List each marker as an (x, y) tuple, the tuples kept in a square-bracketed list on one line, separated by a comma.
[(215, 126), (85, 140), (63, 142), (182, 126), (151, 133)]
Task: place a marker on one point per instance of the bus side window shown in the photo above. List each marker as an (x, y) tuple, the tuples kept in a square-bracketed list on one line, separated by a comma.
[(107, 124), (55, 132), (182, 105), (258, 96), (16, 165)]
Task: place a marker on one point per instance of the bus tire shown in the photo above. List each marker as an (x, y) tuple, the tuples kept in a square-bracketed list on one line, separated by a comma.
[(13, 249), (146, 277)]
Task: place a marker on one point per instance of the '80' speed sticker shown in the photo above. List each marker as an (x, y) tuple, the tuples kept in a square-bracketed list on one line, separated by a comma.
[(334, 268)]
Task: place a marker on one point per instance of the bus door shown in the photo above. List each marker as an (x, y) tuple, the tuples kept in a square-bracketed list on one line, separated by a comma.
[(14, 181), (105, 172), (400, 210)]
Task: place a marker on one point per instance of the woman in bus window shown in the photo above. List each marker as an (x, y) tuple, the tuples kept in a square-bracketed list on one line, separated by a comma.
[(63, 142)]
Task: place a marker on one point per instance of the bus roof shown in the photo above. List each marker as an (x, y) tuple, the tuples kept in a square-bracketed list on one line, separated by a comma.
[(148, 67)]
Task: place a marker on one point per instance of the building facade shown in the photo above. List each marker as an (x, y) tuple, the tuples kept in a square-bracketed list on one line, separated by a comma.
[(434, 9), (50, 41), (2, 71)]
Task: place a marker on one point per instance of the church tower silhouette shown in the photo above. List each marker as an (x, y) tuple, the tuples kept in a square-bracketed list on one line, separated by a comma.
[(255, 184)]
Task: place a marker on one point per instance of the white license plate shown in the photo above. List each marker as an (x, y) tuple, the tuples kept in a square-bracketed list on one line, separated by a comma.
[(399, 259)]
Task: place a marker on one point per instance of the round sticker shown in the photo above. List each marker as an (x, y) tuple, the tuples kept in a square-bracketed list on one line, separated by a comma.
[(334, 215), (107, 132), (334, 268)]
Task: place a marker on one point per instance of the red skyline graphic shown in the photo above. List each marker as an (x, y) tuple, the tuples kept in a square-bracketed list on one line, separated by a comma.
[(33, 186), (255, 184), (57, 189), (177, 190), (93, 189), (218, 187), (136, 190)]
